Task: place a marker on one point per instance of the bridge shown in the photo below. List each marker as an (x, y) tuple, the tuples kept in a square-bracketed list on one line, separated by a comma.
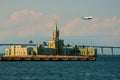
[(18, 44), (100, 47)]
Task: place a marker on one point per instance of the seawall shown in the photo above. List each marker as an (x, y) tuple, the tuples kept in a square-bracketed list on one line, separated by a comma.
[(46, 58)]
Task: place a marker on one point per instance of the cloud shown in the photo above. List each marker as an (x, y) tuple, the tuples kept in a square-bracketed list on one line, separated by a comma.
[(69, 28), (110, 22), (22, 16), (28, 23), (106, 26), (78, 27), (55, 16), (19, 15)]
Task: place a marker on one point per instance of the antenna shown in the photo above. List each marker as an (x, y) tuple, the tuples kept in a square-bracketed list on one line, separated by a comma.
[(91, 44)]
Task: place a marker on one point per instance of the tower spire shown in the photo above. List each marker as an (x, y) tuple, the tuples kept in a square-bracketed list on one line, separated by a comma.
[(55, 32), (56, 22), (55, 26)]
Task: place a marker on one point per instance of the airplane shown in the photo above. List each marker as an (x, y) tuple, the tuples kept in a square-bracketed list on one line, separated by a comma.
[(87, 18)]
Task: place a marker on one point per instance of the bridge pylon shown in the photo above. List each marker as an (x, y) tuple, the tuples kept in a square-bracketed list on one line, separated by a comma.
[(111, 51), (101, 51)]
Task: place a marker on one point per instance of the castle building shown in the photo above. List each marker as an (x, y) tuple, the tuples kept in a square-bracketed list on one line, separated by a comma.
[(55, 47), (56, 43)]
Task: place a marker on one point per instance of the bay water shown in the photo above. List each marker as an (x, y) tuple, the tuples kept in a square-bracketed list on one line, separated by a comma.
[(104, 68)]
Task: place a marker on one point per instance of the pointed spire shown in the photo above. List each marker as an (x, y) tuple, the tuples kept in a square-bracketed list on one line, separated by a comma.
[(55, 27), (56, 22), (55, 32)]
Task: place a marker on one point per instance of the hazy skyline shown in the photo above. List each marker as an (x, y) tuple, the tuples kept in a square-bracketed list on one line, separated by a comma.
[(23, 20)]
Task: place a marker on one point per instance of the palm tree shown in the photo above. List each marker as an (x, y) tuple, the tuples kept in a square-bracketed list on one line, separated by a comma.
[(44, 43), (30, 42), (68, 45)]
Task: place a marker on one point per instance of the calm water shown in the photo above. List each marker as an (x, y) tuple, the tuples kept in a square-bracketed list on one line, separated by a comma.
[(105, 68)]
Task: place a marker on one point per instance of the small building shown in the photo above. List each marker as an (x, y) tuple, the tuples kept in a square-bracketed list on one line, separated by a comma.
[(92, 51), (87, 52), (18, 50)]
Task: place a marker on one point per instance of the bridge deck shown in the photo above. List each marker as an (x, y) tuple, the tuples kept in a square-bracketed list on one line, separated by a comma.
[(71, 45)]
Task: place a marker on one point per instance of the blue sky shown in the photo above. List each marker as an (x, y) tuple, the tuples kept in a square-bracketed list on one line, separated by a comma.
[(24, 20)]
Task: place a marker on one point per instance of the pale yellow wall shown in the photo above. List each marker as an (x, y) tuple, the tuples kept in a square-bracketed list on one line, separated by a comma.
[(17, 50), (20, 51), (87, 51), (35, 50), (83, 51), (7, 52), (51, 44), (91, 51)]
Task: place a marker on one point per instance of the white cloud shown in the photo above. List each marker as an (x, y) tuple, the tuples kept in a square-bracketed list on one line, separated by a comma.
[(69, 28), (78, 27), (22, 16), (28, 23)]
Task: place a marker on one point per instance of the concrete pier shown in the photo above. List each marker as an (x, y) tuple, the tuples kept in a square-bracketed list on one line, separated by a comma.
[(111, 51), (46, 58)]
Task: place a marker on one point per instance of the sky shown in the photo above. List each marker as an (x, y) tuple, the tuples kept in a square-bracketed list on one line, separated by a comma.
[(24, 20)]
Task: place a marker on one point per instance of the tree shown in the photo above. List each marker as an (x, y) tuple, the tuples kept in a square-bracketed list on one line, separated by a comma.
[(68, 45), (44, 43), (30, 42)]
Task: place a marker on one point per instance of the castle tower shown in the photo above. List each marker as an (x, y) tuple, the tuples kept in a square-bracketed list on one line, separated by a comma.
[(56, 43), (55, 33)]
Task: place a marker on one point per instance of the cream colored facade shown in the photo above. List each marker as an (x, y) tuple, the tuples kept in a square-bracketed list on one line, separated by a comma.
[(83, 51), (87, 51), (51, 44), (18, 50)]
